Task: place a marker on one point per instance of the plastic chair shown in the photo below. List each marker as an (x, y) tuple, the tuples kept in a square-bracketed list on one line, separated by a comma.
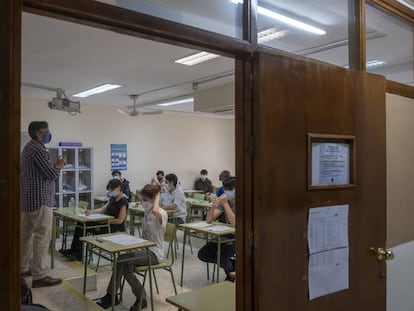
[(169, 237), (198, 196)]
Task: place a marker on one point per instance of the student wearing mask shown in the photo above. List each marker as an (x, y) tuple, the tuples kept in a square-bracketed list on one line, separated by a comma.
[(159, 179), (223, 210), (173, 198), (125, 184), (116, 206), (203, 183), (223, 176), (153, 229)]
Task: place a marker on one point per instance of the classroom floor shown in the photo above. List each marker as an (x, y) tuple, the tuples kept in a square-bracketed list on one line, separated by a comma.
[(66, 297)]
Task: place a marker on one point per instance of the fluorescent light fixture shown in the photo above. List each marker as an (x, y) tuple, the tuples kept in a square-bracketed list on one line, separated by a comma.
[(375, 63), (196, 58), (286, 20), (178, 102), (99, 89), (372, 63), (408, 3), (271, 34)]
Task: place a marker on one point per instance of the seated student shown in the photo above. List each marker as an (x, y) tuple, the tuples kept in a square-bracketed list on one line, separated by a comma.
[(159, 179), (203, 183), (173, 198), (223, 210), (125, 184), (223, 175), (116, 206), (153, 229)]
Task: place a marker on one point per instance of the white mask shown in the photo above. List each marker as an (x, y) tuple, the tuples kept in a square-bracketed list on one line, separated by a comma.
[(203, 177), (147, 206)]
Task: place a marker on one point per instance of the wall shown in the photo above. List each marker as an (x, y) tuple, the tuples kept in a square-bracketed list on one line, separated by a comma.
[(400, 202), (178, 143)]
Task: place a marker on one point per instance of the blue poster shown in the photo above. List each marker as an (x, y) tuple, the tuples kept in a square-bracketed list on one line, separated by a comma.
[(119, 157)]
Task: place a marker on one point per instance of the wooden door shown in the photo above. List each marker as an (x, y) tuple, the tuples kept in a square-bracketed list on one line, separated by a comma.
[(294, 97)]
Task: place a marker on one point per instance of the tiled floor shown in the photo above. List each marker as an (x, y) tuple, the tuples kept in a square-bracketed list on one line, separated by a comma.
[(66, 297)]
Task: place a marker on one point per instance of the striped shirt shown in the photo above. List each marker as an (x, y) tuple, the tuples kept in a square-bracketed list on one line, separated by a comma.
[(38, 176)]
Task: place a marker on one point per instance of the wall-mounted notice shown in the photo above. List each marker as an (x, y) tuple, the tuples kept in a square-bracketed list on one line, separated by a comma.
[(119, 157), (330, 164), (328, 270)]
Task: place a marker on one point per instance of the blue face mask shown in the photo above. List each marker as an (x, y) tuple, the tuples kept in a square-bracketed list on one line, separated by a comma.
[(230, 195), (47, 138)]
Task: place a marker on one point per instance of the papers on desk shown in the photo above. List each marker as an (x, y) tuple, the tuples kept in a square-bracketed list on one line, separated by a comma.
[(94, 216), (328, 269), (200, 224), (219, 228), (123, 239)]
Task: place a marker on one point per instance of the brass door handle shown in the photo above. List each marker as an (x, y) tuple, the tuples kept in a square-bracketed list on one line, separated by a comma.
[(382, 253)]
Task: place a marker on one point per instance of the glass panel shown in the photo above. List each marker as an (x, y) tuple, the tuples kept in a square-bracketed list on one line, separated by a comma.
[(70, 158), (391, 53), (84, 159), (315, 28), (66, 198), (84, 181), (220, 16), (68, 181)]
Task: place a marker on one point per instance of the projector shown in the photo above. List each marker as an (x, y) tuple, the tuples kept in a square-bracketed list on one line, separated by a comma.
[(64, 104)]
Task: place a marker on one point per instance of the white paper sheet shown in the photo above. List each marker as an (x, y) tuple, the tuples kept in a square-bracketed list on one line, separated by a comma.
[(330, 164), (200, 224), (328, 272), (123, 239), (94, 216), (327, 228), (219, 228)]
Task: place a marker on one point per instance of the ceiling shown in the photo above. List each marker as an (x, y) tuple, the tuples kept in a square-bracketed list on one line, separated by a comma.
[(59, 54)]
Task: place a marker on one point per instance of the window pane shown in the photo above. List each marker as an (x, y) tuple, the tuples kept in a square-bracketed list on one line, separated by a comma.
[(314, 28), (220, 16), (391, 53)]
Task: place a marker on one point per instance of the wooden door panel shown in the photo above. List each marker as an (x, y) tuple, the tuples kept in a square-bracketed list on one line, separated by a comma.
[(294, 97)]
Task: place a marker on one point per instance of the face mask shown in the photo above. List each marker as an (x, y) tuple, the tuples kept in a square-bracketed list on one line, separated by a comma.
[(116, 177), (147, 206), (230, 195), (47, 138), (203, 177), (114, 193)]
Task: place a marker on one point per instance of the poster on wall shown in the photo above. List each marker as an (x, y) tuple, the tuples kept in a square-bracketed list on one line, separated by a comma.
[(119, 157)]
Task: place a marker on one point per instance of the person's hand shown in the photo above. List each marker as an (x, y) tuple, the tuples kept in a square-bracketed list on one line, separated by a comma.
[(88, 212), (60, 163)]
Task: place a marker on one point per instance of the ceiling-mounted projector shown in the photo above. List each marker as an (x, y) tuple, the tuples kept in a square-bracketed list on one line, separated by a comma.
[(64, 104)]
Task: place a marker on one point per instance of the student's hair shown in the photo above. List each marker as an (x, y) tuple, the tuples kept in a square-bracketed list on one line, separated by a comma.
[(203, 172), (36, 126), (229, 183), (172, 178), (160, 173), (150, 191), (116, 172), (113, 183), (225, 174)]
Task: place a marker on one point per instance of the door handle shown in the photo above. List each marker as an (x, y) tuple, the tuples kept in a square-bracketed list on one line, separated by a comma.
[(382, 253)]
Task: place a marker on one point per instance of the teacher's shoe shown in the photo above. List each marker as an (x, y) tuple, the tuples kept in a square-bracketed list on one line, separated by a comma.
[(46, 281)]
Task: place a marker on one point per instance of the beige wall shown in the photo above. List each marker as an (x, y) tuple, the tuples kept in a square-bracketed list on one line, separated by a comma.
[(177, 143), (400, 169)]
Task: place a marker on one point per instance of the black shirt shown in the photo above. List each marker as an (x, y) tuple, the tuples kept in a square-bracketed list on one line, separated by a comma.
[(113, 209)]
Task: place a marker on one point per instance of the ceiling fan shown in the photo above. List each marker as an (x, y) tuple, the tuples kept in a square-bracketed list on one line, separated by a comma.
[(133, 112)]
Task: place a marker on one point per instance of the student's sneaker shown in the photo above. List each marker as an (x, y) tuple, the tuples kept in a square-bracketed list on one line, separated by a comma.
[(135, 306), (106, 301)]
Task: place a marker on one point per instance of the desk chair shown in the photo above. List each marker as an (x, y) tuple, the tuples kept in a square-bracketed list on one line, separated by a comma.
[(198, 196), (169, 237)]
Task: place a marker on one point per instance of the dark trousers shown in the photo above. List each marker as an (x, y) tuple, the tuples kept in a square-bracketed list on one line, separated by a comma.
[(208, 253), (76, 246)]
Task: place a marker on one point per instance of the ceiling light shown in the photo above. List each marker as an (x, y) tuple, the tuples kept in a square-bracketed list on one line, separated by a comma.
[(286, 20), (99, 89), (196, 58), (271, 34), (375, 63), (177, 102), (372, 63)]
